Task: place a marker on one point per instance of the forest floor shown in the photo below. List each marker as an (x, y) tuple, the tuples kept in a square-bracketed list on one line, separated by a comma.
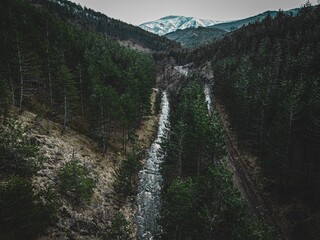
[(85, 221)]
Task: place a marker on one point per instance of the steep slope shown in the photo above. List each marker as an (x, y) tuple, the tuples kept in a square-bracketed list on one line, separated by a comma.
[(194, 37), (267, 79), (83, 99), (169, 24), (95, 21), (90, 220)]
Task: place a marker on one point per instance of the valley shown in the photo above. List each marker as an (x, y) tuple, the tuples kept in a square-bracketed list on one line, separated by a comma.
[(192, 129)]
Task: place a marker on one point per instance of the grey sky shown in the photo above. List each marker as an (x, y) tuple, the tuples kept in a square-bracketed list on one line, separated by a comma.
[(140, 11)]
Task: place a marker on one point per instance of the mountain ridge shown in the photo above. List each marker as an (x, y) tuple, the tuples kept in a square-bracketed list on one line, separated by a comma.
[(173, 23), (236, 24)]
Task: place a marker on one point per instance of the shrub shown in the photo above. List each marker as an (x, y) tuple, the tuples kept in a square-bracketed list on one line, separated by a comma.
[(119, 229), (75, 181), (23, 213), (17, 154), (126, 174)]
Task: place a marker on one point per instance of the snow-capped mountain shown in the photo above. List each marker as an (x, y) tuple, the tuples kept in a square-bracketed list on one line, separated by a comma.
[(169, 24)]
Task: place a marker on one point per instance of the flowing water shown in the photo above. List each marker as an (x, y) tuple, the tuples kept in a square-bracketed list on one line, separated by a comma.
[(149, 190), (207, 93)]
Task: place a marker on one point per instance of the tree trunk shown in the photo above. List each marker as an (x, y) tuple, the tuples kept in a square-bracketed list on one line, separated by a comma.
[(20, 75), (199, 158), (261, 134), (81, 92), (48, 66), (65, 109), (11, 86), (104, 145), (49, 79), (179, 165), (287, 158)]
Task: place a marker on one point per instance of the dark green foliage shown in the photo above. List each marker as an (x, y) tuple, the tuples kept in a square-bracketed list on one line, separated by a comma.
[(75, 181), (178, 205), (199, 200), (119, 229), (208, 208), (195, 37), (126, 174), (267, 76), (251, 229), (17, 155), (79, 77), (66, 94), (91, 20), (24, 214), (196, 138)]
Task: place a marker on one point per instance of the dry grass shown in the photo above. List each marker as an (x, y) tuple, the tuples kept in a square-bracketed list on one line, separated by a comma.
[(58, 148)]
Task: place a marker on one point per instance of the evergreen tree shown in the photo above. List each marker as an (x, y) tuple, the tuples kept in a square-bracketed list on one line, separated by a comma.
[(66, 93)]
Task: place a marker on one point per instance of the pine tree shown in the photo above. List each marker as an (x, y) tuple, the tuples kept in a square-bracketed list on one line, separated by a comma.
[(66, 93)]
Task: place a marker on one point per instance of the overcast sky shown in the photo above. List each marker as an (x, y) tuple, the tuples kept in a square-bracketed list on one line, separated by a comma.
[(140, 11)]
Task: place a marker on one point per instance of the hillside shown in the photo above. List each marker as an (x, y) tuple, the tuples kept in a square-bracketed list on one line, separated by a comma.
[(267, 80), (192, 32), (194, 37), (74, 107), (110, 132), (84, 220), (236, 24), (92, 20)]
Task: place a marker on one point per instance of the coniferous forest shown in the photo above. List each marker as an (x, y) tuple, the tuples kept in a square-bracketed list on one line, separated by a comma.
[(199, 201), (47, 63), (266, 76), (65, 64), (72, 76)]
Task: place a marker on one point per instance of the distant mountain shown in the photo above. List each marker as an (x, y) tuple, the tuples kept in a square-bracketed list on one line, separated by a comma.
[(169, 24), (191, 37), (194, 37), (234, 25)]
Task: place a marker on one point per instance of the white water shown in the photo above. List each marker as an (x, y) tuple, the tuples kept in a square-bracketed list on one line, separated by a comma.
[(207, 93), (150, 179), (183, 70)]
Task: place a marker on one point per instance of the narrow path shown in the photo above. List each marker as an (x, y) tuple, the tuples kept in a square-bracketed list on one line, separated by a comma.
[(242, 180), (149, 189), (258, 205)]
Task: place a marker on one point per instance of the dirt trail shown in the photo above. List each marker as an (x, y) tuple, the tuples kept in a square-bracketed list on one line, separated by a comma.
[(246, 172)]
